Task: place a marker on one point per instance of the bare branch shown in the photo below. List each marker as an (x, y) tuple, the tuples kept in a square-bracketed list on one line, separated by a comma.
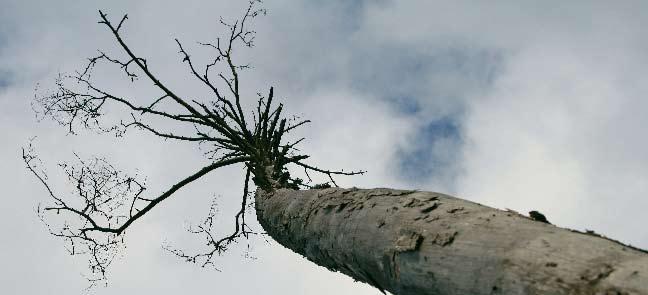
[(108, 206), (142, 65), (218, 246), (107, 201)]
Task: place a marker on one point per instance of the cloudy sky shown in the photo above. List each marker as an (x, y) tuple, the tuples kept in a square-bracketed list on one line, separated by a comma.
[(513, 104)]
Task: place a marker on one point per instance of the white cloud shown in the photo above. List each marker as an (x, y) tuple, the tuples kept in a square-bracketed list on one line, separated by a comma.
[(550, 102), (560, 131)]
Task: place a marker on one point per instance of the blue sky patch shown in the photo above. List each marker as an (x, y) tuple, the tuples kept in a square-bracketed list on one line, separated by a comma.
[(433, 151), (4, 80), (406, 105), (415, 79)]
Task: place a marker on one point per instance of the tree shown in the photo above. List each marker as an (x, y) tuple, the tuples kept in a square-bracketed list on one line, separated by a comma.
[(405, 242)]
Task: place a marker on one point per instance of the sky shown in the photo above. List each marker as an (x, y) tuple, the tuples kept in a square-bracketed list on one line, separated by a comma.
[(524, 105)]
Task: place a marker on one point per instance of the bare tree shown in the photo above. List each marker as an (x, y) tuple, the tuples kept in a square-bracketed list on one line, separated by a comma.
[(108, 201), (405, 242)]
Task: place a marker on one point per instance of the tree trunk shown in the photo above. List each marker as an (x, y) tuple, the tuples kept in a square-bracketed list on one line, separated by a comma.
[(411, 242)]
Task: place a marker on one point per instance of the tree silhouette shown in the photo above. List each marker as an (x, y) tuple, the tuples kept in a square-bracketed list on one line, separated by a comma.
[(108, 201)]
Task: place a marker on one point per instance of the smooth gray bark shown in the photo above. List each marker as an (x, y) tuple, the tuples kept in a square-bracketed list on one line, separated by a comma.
[(412, 242)]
